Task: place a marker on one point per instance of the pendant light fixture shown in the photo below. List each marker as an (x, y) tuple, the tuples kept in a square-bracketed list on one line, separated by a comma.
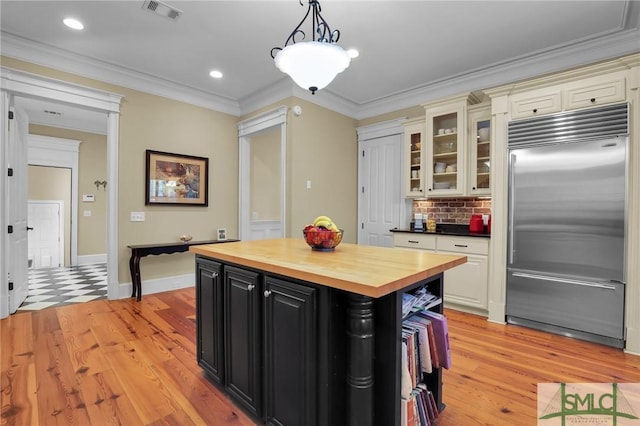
[(312, 64)]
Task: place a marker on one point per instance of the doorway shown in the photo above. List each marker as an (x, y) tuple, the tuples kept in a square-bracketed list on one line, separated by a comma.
[(22, 84), (259, 137)]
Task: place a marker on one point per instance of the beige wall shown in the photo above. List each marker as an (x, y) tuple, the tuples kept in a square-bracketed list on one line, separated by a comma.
[(265, 175), (53, 184), (153, 122), (92, 166), (323, 148)]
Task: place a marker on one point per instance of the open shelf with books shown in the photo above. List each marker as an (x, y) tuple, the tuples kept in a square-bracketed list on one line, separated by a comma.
[(402, 319)]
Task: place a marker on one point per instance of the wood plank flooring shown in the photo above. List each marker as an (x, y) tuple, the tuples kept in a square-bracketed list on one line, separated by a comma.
[(133, 363)]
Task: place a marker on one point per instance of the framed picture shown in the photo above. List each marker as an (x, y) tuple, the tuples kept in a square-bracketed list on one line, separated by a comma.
[(175, 179), (222, 234)]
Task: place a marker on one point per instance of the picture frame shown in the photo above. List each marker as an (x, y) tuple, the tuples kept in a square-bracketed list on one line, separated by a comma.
[(222, 234), (176, 179)]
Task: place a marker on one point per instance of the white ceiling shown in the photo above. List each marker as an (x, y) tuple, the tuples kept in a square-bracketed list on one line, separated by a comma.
[(410, 51)]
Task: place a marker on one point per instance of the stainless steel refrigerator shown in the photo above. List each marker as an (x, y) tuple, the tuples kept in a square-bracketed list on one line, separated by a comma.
[(567, 220)]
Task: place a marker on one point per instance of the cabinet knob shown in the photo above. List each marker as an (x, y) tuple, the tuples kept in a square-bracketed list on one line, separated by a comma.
[(267, 293), (593, 100), (535, 110), (214, 275), (474, 188), (250, 287)]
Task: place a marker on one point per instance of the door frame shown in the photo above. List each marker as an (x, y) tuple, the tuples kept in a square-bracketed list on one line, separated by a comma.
[(246, 128), (15, 83), (61, 227), (375, 131), (56, 152)]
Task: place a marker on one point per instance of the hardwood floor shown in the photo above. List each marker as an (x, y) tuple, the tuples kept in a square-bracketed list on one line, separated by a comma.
[(133, 363)]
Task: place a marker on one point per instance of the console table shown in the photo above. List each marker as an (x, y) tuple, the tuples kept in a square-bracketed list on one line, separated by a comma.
[(142, 250)]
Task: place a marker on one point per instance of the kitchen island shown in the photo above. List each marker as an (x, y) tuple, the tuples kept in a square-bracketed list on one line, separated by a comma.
[(297, 336)]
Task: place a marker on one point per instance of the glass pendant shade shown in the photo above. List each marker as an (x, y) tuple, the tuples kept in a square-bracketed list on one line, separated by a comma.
[(312, 64)]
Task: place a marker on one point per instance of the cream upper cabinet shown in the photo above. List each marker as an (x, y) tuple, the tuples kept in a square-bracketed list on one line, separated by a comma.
[(595, 91), (535, 102), (445, 137), (581, 93), (413, 158), (479, 138)]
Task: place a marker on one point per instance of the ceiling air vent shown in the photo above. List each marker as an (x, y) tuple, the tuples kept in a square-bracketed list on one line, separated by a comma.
[(162, 9)]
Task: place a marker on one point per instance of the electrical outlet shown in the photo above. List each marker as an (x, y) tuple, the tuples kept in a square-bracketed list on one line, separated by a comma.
[(137, 216)]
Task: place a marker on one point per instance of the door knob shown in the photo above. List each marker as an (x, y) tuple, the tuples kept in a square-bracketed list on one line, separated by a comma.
[(29, 228)]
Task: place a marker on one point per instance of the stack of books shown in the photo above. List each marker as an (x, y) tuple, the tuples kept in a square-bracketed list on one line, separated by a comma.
[(425, 347), (420, 409), (418, 301)]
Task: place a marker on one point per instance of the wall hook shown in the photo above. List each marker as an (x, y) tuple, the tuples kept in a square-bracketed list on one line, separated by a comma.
[(102, 183)]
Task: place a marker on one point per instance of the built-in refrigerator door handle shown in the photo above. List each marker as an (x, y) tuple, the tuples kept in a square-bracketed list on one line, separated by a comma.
[(511, 231), (602, 285)]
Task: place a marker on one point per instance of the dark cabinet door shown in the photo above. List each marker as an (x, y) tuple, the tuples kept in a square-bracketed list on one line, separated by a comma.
[(290, 341), (243, 349), (209, 318)]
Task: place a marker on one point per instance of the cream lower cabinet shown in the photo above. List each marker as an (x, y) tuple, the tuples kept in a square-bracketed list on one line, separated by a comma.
[(465, 286)]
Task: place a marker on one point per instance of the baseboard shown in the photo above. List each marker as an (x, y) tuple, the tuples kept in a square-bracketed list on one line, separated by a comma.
[(89, 259), (159, 285)]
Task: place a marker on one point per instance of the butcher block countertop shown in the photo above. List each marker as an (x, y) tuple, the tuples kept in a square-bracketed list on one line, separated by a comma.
[(366, 270)]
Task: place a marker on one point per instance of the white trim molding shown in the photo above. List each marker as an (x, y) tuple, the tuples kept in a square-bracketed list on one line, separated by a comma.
[(90, 259), (158, 285)]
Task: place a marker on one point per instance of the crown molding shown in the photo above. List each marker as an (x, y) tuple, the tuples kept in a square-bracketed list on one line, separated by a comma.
[(569, 56), (566, 57), (63, 60), (285, 87)]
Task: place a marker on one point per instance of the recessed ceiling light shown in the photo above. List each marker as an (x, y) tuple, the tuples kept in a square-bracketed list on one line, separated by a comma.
[(215, 74), (353, 53), (73, 23)]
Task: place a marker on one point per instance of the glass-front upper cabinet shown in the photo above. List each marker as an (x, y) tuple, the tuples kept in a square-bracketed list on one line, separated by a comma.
[(480, 149), (446, 138), (413, 158)]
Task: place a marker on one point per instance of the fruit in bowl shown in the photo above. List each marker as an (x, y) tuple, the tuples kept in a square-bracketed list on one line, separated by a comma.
[(323, 234)]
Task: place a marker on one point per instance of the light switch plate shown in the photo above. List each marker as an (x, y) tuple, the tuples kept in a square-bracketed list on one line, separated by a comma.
[(137, 216), (88, 198)]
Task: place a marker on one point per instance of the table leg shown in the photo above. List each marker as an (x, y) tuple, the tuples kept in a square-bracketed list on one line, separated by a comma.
[(360, 377), (132, 270), (138, 280)]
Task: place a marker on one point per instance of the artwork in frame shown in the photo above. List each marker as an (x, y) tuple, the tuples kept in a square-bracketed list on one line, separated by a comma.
[(176, 179)]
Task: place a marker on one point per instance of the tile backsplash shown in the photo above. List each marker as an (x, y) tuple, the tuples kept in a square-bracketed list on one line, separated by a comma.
[(453, 210)]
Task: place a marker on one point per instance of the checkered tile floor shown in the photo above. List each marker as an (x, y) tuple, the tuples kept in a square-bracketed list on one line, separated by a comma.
[(63, 286)]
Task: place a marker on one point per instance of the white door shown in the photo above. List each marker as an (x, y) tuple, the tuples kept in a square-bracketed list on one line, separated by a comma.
[(17, 193), (380, 177), (45, 233)]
